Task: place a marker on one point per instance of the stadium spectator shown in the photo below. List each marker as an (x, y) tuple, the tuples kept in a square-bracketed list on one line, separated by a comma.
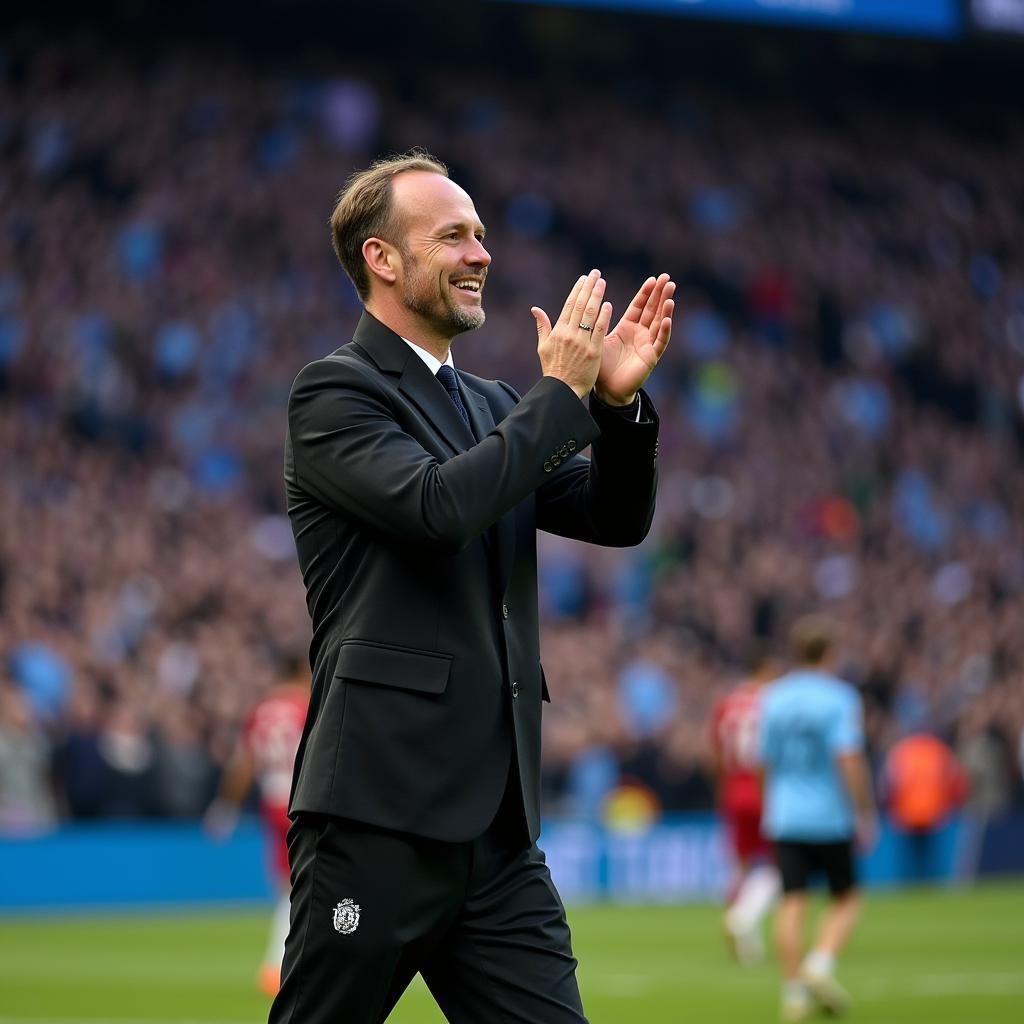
[(82, 781), (818, 805), (26, 801), (127, 753), (183, 770), (922, 785)]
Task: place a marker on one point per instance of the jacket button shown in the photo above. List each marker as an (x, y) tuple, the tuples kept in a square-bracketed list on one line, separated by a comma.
[(556, 460), (547, 466), (515, 688), (571, 445), (504, 611), (564, 451)]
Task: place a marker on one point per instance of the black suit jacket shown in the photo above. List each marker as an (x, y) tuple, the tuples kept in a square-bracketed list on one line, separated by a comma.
[(418, 551)]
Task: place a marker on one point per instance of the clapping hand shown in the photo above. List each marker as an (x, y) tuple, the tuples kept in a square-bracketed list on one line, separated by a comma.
[(639, 340), (571, 349)]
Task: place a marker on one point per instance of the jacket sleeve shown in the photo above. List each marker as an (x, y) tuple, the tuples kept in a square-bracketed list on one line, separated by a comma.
[(608, 499), (350, 453)]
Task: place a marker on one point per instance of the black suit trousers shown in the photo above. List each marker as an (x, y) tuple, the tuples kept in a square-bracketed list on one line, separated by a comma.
[(480, 920)]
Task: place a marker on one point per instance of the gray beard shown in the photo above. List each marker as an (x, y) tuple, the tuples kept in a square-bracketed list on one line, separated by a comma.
[(454, 320)]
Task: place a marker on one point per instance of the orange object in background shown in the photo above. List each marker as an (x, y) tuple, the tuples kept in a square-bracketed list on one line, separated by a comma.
[(631, 807), (924, 783)]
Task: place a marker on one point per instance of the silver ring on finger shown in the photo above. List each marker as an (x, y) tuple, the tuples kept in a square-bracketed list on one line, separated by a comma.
[(586, 327)]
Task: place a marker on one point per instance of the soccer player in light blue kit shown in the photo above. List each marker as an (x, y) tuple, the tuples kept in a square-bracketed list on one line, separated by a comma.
[(818, 803)]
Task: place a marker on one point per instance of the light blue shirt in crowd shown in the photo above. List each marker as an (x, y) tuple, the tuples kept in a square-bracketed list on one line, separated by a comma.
[(808, 718)]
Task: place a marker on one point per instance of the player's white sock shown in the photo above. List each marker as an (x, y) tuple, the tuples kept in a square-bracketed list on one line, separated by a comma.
[(819, 961), (755, 898), (794, 990), (278, 933)]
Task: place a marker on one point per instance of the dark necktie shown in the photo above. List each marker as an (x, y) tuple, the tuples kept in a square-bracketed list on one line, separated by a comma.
[(446, 375)]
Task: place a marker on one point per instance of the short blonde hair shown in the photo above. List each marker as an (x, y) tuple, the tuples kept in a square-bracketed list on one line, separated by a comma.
[(364, 210), (813, 638)]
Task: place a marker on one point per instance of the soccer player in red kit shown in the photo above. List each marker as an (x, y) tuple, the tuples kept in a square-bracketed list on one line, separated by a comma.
[(733, 739), (265, 756)]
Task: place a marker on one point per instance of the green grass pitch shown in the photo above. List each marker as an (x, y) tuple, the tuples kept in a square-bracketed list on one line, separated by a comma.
[(952, 957)]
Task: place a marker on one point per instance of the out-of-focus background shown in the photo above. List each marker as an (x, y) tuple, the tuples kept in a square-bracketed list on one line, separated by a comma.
[(838, 188)]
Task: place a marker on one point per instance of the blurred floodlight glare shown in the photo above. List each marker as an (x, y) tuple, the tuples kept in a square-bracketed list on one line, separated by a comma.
[(999, 15)]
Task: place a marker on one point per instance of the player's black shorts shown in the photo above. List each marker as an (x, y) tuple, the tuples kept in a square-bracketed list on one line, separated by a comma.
[(798, 861)]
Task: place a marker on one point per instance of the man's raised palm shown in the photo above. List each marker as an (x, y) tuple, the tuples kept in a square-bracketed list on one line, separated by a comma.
[(640, 338)]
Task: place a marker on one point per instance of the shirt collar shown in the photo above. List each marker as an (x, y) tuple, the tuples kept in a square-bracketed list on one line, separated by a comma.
[(433, 363)]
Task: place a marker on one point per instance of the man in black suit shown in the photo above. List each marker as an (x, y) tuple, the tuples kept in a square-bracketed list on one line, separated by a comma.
[(415, 493)]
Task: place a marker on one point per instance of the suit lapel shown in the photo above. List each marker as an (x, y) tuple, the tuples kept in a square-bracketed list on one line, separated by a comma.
[(394, 357), (480, 418), (502, 536)]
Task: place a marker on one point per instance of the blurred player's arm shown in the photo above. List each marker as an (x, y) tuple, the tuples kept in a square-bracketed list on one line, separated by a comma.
[(712, 747), (221, 816), (856, 776)]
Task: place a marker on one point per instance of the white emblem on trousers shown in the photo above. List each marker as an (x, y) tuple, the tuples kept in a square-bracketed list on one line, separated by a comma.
[(346, 917)]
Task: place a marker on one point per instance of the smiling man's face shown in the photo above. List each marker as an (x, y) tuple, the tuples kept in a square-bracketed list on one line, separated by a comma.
[(444, 262)]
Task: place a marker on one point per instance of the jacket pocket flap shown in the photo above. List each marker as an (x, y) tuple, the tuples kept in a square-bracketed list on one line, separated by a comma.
[(424, 671)]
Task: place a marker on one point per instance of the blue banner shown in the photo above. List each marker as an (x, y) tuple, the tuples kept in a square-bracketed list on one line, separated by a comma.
[(936, 18), (684, 858), (111, 865)]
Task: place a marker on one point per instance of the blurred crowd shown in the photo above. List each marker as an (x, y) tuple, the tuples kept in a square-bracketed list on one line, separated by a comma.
[(842, 405)]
